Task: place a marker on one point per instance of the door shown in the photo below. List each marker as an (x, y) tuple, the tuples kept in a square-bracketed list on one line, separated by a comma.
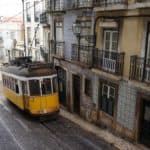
[(62, 86), (108, 99), (76, 93), (145, 124), (110, 49)]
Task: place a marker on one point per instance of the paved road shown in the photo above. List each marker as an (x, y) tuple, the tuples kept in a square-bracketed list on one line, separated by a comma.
[(21, 132)]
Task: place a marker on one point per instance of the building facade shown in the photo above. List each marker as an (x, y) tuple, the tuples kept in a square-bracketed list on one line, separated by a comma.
[(101, 50), (11, 32), (33, 30)]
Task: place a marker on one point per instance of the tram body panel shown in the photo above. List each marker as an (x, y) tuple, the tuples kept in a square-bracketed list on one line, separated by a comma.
[(44, 104), (13, 97)]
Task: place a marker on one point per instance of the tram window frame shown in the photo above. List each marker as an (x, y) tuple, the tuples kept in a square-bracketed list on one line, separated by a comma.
[(55, 85), (16, 87), (44, 88), (35, 90), (24, 87)]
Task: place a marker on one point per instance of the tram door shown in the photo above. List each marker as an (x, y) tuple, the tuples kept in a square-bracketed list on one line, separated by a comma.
[(145, 126), (62, 86)]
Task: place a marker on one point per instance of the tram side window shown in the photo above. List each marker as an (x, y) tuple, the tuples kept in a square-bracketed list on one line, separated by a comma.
[(55, 85), (46, 86), (16, 87), (34, 87)]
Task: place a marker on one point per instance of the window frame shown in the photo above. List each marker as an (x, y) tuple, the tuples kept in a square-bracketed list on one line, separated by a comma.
[(108, 101), (111, 31)]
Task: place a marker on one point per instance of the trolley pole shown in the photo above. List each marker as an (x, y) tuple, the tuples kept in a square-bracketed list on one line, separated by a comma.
[(25, 49)]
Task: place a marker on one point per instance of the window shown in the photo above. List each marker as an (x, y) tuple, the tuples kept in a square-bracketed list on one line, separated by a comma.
[(17, 88), (55, 84), (36, 11), (59, 31), (107, 99), (28, 12), (29, 35), (46, 86), (37, 39), (88, 87), (111, 40), (34, 86)]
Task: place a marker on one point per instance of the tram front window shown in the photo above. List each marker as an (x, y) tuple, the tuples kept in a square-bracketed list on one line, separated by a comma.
[(34, 87), (46, 86)]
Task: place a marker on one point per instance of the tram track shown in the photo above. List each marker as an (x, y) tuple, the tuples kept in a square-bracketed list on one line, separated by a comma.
[(60, 142)]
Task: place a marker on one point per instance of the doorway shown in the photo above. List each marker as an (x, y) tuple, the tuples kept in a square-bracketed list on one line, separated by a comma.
[(62, 86), (145, 124), (76, 93)]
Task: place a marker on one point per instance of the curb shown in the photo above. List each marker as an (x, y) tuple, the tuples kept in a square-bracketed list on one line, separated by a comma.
[(101, 133)]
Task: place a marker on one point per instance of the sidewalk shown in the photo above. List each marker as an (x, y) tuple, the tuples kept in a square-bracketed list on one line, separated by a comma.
[(103, 134)]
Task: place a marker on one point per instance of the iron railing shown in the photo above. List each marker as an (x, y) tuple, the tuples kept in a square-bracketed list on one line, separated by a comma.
[(82, 54), (58, 48), (140, 69), (43, 18), (142, 1), (55, 5), (112, 62), (76, 4), (109, 2)]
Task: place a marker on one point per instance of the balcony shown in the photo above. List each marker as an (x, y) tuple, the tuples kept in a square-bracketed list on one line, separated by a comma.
[(110, 4), (142, 3), (58, 48), (78, 4), (55, 6), (43, 18), (112, 62), (140, 69), (82, 54)]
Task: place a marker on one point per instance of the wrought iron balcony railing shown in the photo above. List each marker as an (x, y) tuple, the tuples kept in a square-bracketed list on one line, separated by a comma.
[(58, 48), (140, 69), (112, 62), (76, 4), (82, 54), (105, 3), (43, 18), (55, 5)]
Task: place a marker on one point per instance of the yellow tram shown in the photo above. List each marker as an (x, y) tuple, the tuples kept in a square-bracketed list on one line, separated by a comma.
[(31, 86)]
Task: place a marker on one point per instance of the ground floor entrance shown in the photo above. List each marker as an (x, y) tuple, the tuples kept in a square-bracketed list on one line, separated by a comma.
[(76, 93), (62, 85), (145, 124)]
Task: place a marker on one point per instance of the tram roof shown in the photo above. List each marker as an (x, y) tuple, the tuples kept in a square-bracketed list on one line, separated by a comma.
[(28, 68)]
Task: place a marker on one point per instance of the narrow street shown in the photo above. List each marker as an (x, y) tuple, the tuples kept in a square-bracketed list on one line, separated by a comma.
[(21, 132)]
